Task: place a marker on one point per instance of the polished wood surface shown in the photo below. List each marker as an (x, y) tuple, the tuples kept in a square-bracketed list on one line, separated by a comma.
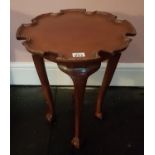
[(79, 77), (40, 67), (78, 41), (70, 31), (110, 69)]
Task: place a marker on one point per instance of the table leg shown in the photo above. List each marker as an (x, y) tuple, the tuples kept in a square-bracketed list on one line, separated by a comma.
[(110, 69), (79, 76), (40, 67), (79, 89)]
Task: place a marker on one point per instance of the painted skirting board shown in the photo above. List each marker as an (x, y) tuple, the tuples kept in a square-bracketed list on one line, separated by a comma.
[(126, 74)]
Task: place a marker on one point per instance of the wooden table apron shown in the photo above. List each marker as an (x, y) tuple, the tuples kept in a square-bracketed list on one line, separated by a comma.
[(79, 69)]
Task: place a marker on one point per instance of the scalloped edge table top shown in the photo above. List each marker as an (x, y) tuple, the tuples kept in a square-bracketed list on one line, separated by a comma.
[(76, 34)]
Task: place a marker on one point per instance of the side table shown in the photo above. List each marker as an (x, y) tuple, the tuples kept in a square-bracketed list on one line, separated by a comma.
[(78, 41)]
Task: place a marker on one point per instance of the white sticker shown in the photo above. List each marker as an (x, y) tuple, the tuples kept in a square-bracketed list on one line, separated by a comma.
[(78, 54)]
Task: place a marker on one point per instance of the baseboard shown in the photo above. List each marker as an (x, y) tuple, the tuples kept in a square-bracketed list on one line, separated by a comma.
[(126, 74)]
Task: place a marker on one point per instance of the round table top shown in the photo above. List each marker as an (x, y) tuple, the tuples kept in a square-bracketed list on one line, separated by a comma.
[(76, 34)]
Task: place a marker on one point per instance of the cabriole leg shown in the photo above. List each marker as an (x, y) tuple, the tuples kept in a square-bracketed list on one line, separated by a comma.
[(79, 76), (40, 67), (79, 89), (110, 69)]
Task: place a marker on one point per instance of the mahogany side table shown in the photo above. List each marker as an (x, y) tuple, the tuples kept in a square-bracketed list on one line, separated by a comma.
[(78, 41)]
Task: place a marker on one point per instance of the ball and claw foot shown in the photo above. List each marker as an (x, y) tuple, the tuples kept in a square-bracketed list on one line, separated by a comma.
[(76, 142), (99, 115)]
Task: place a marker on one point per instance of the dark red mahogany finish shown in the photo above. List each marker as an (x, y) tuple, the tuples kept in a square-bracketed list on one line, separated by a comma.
[(57, 37)]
